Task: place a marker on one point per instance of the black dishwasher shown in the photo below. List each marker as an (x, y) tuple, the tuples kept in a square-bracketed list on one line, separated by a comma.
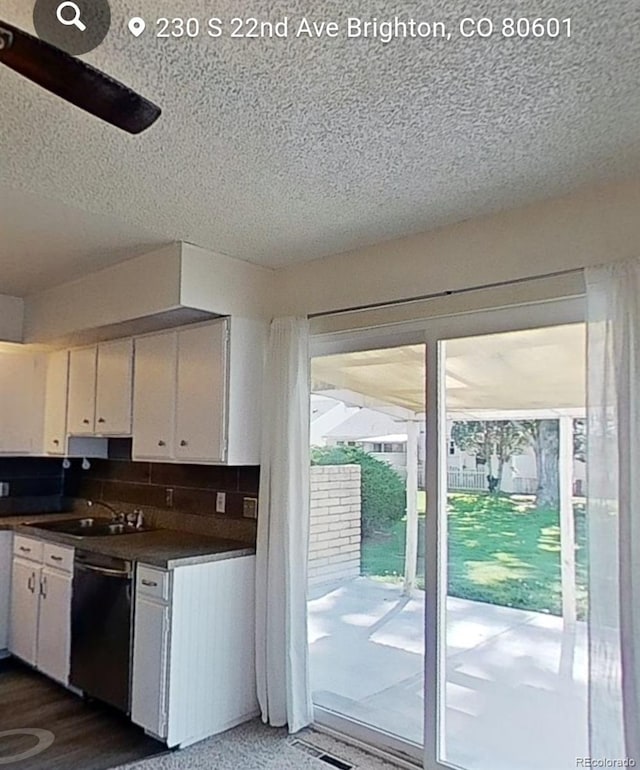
[(101, 615)]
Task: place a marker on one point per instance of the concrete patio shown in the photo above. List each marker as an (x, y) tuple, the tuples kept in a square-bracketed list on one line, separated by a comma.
[(516, 680)]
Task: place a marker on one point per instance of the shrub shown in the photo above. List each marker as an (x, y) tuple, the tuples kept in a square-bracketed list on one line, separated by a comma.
[(383, 490)]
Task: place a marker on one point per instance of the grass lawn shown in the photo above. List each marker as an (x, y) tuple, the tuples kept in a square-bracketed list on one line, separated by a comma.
[(502, 550)]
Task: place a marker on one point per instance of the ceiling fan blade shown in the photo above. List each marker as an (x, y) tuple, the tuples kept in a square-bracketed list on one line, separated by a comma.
[(76, 81)]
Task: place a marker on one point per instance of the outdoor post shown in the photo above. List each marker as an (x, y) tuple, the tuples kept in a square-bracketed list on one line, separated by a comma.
[(411, 547), (567, 528)]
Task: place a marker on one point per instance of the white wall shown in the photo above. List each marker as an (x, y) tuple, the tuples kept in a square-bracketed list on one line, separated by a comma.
[(217, 283), (595, 225), (11, 318)]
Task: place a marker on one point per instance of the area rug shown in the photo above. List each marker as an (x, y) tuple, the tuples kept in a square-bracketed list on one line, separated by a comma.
[(253, 746)]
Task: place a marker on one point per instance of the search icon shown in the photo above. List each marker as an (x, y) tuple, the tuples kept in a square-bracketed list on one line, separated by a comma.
[(75, 20)]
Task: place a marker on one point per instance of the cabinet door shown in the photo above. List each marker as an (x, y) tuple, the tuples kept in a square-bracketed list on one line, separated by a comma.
[(5, 587), (82, 391), (150, 654), (55, 415), (54, 626), (23, 632), (201, 398), (17, 380), (154, 395), (113, 388)]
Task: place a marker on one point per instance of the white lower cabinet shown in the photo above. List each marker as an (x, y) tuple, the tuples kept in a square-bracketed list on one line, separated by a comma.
[(54, 623), (25, 602), (40, 617), (150, 646), (193, 650), (6, 540)]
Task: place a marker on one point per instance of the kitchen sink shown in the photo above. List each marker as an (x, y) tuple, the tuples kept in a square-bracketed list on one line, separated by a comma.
[(90, 527)]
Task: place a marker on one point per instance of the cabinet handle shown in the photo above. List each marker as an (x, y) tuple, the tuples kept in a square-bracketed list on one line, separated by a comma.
[(56, 558), (86, 422), (43, 586), (150, 583), (55, 441), (101, 419), (184, 443), (24, 549), (162, 443), (31, 582)]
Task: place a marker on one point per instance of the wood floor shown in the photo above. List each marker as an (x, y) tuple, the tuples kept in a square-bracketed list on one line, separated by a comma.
[(88, 736)]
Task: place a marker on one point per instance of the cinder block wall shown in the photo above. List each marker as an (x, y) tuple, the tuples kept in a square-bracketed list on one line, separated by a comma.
[(334, 547)]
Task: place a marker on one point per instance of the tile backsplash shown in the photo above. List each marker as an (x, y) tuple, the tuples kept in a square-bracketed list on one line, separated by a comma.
[(171, 495), (173, 488), (35, 485)]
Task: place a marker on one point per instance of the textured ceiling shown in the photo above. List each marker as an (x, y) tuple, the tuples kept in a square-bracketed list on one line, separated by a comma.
[(45, 242), (282, 150)]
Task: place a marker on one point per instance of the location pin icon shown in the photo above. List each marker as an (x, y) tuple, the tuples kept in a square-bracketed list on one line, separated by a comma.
[(136, 26)]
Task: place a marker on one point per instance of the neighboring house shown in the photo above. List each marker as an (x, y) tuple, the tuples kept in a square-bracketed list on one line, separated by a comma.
[(333, 423), (326, 414), (375, 432)]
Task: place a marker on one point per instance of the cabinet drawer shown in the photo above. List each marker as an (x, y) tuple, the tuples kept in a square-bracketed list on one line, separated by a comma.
[(58, 557), (153, 583), (27, 548)]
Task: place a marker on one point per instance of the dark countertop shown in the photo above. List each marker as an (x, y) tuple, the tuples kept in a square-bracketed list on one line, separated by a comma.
[(165, 548)]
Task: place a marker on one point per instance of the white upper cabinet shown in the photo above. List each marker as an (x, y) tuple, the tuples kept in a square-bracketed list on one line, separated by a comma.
[(113, 388), (55, 411), (198, 393), (21, 402), (82, 391), (201, 401), (100, 383), (191, 394), (247, 345), (154, 396)]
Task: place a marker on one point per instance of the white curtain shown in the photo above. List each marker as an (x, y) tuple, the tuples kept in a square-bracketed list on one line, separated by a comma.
[(613, 508), (283, 530)]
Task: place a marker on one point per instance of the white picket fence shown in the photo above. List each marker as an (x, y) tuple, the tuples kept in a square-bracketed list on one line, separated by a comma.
[(476, 481), (459, 480)]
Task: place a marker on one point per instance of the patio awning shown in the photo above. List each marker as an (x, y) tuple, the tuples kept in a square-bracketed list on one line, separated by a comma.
[(535, 369)]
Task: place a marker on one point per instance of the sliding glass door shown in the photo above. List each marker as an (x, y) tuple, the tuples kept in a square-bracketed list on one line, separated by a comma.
[(447, 565), (507, 602), (366, 559)]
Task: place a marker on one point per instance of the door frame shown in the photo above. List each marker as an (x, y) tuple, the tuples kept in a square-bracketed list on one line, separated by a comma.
[(384, 744), (438, 331), (432, 332)]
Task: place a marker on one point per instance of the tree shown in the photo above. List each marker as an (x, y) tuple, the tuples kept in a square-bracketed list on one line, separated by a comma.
[(545, 439), (383, 491), (485, 438)]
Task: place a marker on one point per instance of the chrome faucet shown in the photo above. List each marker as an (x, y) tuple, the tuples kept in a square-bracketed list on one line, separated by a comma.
[(115, 515)]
